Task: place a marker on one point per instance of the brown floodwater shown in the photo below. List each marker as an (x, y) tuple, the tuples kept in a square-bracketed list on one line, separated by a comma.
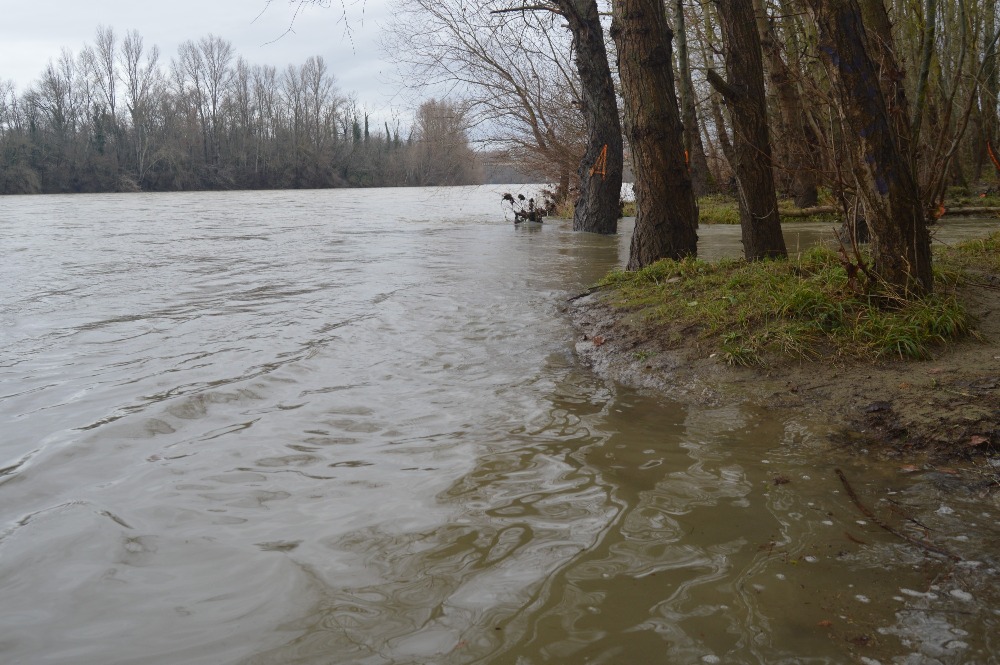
[(349, 427)]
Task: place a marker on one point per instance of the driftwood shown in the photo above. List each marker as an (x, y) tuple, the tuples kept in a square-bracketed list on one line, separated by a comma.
[(591, 290), (807, 212), (973, 210), (867, 512)]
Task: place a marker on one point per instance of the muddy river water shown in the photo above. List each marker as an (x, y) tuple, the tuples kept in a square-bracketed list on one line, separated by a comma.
[(350, 427)]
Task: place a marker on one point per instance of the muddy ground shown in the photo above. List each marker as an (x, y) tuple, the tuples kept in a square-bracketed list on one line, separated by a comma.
[(941, 414)]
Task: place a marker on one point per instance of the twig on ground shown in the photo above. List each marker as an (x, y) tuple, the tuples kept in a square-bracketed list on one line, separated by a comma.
[(867, 512), (586, 293)]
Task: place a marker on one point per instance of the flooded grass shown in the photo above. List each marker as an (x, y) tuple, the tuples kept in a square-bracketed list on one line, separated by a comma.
[(718, 209), (724, 209), (979, 255), (802, 308)]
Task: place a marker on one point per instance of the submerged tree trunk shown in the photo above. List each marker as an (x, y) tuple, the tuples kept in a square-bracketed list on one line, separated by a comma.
[(598, 207), (877, 133), (666, 212), (744, 94)]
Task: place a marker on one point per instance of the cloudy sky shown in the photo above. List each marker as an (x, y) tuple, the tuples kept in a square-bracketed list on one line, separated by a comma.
[(34, 31)]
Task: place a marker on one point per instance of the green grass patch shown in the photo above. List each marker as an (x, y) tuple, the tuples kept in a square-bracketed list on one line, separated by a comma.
[(751, 313), (724, 209), (718, 209)]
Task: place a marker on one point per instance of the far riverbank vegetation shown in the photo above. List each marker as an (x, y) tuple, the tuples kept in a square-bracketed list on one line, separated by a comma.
[(118, 117)]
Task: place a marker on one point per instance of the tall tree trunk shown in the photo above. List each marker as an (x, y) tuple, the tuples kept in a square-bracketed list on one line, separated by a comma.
[(744, 95), (666, 212), (722, 131), (878, 134), (801, 146), (701, 178), (598, 207), (926, 52), (715, 105), (988, 92)]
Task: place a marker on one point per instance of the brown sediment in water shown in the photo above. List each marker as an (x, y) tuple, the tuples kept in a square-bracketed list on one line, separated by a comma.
[(941, 414)]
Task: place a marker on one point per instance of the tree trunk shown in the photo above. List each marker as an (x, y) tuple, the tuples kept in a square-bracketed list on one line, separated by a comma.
[(715, 105), (744, 95), (666, 212), (877, 133), (701, 178), (801, 146), (988, 93), (598, 207), (926, 52)]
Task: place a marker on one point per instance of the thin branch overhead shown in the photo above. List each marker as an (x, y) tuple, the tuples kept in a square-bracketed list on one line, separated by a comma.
[(299, 8)]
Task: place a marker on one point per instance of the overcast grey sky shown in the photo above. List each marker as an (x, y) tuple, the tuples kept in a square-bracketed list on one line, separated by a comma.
[(33, 31)]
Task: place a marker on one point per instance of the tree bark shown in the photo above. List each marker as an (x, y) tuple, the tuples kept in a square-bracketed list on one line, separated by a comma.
[(877, 131), (744, 95), (800, 145), (598, 206), (701, 178), (666, 212), (715, 106), (988, 93)]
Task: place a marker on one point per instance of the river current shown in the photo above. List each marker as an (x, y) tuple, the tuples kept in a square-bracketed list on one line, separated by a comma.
[(349, 426)]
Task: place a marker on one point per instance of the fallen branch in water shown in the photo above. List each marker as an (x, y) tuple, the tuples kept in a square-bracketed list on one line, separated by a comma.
[(809, 212), (972, 210), (866, 511), (593, 289)]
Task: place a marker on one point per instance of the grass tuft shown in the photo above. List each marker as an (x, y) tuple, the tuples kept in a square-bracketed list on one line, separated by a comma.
[(750, 312), (718, 209)]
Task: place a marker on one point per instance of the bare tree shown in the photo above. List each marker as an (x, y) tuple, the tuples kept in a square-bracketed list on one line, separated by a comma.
[(10, 116), (597, 208), (514, 69), (698, 164), (204, 70), (189, 79), (139, 73), (744, 94), (217, 57), (873, 103), (58, 94), (442, 155), (666, 213), (322, 100), (104, 70), (504, 66), (799, 139)]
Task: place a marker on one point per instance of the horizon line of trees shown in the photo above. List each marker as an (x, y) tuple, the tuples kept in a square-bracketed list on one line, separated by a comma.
[(114, 118)]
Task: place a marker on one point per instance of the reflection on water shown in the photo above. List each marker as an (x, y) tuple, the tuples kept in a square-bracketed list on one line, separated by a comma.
[(343, 427)]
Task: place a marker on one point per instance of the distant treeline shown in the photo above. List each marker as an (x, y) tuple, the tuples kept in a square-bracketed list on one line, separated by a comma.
[(112, 118)]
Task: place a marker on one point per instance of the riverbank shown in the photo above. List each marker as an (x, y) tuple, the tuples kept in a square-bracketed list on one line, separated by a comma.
[(959, 202), (940, 414)]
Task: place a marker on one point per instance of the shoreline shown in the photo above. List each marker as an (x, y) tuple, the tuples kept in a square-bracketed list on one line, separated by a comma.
[(930, 415)]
